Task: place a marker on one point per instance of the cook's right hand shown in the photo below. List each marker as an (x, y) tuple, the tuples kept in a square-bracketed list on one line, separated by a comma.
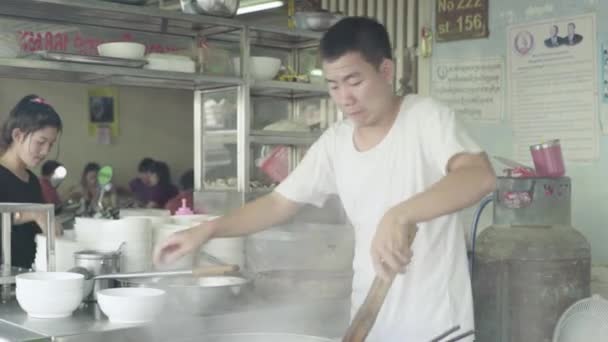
[(181, 243)]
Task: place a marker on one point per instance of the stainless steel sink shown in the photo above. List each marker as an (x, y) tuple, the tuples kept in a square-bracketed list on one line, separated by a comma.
[(11, 332), (326, 318)]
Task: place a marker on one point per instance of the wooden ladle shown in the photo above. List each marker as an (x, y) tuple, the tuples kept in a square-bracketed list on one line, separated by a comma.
[(368, 312)]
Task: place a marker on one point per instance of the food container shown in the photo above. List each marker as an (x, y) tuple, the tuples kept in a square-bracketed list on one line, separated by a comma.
[(548, 160)]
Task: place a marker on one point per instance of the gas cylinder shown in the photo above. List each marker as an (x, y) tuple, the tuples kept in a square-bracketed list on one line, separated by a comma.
[(530, 265)]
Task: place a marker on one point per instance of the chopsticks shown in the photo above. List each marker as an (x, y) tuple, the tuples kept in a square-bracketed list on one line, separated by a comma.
[(455, 338)]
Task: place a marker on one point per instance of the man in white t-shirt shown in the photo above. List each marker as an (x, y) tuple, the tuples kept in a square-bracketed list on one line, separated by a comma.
[(394, 162)]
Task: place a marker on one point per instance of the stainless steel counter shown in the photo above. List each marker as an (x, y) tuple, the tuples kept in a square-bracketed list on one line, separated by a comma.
[(323, 318)]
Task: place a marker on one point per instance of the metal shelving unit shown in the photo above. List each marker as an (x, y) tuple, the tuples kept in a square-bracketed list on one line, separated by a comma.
[(99, 74), (167, 24), (244, 136)]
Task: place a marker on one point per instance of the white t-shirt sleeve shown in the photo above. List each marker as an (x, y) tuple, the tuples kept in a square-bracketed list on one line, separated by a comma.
[(444, 136), (313, 180)]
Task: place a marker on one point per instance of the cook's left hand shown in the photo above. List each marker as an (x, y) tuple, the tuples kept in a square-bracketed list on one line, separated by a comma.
[(391, 244)]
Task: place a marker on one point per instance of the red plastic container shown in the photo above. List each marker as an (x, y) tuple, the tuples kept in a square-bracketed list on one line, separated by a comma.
[(548, 160)]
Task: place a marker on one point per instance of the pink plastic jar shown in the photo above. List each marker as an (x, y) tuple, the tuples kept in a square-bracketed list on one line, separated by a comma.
[(548, 160)]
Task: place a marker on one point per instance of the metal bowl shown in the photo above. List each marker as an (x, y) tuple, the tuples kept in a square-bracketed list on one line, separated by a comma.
[(218, 8), (316, 21), (196, 295)]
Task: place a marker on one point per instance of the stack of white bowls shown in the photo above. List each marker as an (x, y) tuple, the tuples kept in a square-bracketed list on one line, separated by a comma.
[(229, 250), (64, 253), (155, 223), (192, 220), (87, 229), (108, 235), (143, 212)]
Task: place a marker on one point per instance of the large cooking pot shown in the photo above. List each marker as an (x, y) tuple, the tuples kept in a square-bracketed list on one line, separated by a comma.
[(193, 295), (260, 337)]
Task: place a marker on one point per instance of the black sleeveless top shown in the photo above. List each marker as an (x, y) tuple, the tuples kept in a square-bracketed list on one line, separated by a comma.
[(15, 190)]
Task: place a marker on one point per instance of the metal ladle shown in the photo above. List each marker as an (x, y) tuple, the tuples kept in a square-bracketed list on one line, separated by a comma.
[(206, 271), (218, 262)]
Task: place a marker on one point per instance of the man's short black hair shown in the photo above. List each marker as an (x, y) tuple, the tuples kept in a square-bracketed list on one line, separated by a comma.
[(357, 34), (145, 165)]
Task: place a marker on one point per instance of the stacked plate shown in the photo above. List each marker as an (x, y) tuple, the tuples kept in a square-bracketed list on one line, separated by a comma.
[(134, 234), (64, 253)]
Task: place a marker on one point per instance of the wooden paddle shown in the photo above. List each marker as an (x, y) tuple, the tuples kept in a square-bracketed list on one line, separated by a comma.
[(368, 312)]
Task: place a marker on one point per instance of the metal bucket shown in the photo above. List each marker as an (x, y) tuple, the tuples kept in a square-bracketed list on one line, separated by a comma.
[(98, 263)]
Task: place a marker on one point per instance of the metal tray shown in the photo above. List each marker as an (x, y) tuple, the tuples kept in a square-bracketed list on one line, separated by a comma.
[(69, 57)]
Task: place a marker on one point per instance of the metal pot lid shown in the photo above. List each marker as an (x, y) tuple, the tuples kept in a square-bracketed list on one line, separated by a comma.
[(547, 144), (96, 255)]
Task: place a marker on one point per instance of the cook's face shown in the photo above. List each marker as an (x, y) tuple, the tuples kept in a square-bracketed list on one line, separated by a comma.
[(91, 178), (361, 90), (35, 147)]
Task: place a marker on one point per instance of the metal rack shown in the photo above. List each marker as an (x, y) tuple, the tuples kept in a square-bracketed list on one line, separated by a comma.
[(8, 272), (244, 136)]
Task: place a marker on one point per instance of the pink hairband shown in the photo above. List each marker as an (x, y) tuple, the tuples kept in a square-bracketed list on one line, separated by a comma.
[(38, 100)]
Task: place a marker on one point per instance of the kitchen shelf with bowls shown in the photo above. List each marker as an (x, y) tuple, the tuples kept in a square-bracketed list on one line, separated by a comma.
[(284, 138), (295, 90), (53, 70), (293, 47)]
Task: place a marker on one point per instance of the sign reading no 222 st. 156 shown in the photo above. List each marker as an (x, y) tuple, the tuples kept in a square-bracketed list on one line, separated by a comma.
[(461, 19)]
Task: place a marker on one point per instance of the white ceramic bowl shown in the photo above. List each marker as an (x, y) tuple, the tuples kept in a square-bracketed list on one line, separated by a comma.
[(131, 304), (128, 50), (49, 294), (261, 68)]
